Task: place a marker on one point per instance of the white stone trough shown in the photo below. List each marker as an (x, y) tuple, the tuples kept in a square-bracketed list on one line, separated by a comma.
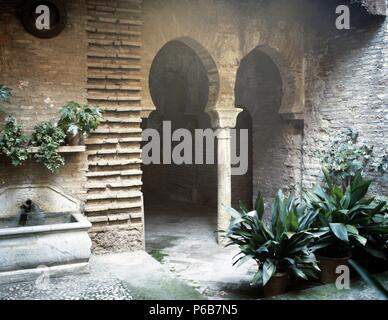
[(55, 248), (59, 249)]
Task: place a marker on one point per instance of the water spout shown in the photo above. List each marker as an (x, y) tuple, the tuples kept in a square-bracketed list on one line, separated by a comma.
[(26, 210)]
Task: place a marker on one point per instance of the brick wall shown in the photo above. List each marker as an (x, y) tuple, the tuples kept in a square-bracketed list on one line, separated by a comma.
[(346, 86), (44, 75)]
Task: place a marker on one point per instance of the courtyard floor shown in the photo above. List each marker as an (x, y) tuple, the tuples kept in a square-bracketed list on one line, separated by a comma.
[(187, 264), (183, 237), (137, 276), (124, 276)]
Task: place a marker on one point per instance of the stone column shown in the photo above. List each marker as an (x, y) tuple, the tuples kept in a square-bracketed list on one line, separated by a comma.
[(222, 121), (224, 178)]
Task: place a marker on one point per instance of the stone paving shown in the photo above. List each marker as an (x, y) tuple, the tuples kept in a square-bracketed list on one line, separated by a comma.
[(183, 238), (125, 276), (359, 290)]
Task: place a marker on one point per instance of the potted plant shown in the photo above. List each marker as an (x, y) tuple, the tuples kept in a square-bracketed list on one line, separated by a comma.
[(48, 137), (13, 143), (281, 248), (345, 216), (77, 121), (5, 95)]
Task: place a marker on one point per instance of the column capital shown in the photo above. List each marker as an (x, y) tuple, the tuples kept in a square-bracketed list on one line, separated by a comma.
[(224, 118)]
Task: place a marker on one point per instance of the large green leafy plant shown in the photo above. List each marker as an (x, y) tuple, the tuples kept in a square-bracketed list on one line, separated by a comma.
[(13, 142), (5, 96), (282, 246), (48, 137), (76, 119), (345, 216)]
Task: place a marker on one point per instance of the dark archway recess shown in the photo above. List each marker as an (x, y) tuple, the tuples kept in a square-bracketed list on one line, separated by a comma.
[(180, 200), (58, 17), (259, 90), (179, 87)]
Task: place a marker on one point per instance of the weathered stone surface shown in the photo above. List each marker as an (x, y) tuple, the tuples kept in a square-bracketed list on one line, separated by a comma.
[(24, 249), (117, 239)]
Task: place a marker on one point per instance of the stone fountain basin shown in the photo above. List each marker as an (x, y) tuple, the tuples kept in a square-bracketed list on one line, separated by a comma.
[(55, 249)]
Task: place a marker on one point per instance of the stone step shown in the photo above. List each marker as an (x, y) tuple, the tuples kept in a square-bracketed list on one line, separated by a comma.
[(98, 219), (138, 215), (111, 9), (119, 217), (125, 120), (114, 185), (110, 31), (114, 195), (114, 43), (114, 66), (124, 173), (110, 218), (113, 76), (112, 55), (113, 151), (101, 130), (112, 206), (111, 163), (112, 87), (114, 98), (99, 141), (121, 109), (115, 20)]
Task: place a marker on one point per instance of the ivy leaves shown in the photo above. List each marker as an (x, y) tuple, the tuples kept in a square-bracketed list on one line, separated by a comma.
[(13, 143), (48, 137), (345, 157), (16, 145)]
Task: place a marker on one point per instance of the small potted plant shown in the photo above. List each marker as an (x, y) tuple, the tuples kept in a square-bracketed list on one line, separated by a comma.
[(48, 137), (281, 249), (345, 218), (77, 121)]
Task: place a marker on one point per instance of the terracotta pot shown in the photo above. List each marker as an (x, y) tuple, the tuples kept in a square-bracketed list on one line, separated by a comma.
[(329, 267), (277, 285), (73, 140)]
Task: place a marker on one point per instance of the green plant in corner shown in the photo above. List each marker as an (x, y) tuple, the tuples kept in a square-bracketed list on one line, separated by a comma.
[(13, 143), (77, 120), (5, 96), (48, 137), (280, 247), (346, 217)]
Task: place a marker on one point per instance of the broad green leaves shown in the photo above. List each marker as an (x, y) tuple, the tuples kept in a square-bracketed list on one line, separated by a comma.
[(279, 246), (345, 210), (79, 119), (13, 143), (332, 216)]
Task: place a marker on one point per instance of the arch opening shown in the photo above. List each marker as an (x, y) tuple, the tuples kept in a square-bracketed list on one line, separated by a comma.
[(180, 199), (261, 91)]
